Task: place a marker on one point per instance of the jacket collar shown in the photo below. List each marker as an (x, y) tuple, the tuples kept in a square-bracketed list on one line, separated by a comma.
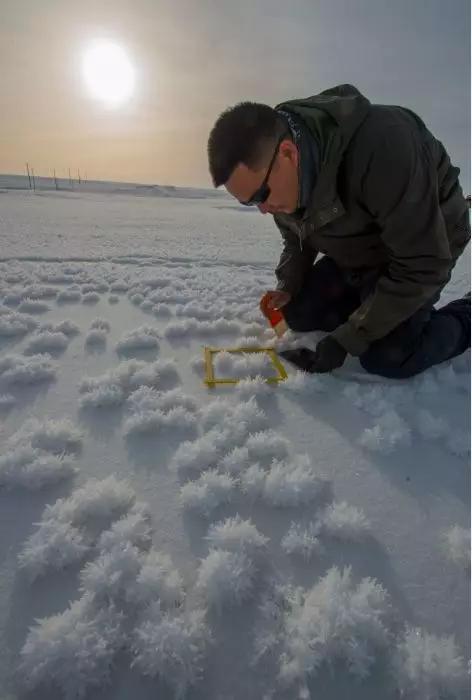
[(309, 157)]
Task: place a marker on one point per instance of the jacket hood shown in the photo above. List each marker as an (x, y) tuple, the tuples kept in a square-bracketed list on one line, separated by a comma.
[(333, 117), (343, 104)]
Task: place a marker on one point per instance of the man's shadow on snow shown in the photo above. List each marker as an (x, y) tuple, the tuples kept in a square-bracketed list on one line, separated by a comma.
[(366, 556), (419, 478)]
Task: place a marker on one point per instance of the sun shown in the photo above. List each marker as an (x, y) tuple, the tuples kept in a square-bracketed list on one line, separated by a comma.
[(108, 73)]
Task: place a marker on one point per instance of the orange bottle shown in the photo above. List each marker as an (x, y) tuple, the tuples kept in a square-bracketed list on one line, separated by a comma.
[(274, 316)]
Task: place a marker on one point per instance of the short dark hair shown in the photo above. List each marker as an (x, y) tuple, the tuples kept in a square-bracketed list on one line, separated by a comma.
[(242, 134)]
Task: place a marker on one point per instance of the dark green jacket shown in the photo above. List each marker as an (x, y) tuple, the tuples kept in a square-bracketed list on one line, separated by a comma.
[(387, 201)]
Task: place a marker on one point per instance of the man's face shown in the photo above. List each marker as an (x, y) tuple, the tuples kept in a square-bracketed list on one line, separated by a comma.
[(283, 181)]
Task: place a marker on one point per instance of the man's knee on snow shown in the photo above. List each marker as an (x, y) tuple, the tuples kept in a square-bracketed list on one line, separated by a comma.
[(305, 323), (296, 325), (387, 361)]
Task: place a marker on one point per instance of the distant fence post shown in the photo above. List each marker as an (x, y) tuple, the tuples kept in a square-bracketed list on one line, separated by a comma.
[(55, 179), (29, 178), (34, 181)]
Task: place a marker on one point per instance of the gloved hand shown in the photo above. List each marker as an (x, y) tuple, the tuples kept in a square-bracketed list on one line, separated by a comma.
[(329, 355)]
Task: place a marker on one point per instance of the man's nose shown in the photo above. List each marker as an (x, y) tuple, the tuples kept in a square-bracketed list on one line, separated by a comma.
[(263, 208)]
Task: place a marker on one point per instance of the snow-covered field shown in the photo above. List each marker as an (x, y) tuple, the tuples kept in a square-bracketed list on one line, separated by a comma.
[(160, 539)]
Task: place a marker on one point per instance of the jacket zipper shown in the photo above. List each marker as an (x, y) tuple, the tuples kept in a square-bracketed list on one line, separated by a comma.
[(300, 236)]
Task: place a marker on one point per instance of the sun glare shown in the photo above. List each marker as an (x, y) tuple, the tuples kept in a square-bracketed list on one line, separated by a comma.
[(108, 73)]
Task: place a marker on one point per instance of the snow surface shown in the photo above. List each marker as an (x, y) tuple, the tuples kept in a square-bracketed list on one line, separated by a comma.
[(160, 539)]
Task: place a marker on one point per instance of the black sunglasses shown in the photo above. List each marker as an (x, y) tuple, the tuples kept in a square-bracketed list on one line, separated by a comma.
[(262, 193)]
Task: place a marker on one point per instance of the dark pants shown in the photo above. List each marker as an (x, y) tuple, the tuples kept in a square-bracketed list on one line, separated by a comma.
[(329, 296)]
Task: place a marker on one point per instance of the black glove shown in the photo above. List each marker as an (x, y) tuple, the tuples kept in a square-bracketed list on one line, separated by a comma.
[(329, 355)]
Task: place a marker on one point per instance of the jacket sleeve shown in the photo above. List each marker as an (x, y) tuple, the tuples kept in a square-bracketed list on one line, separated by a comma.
[(295, 261), (400, 190)]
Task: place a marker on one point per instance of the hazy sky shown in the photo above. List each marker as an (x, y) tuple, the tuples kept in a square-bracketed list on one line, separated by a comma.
[(193, 58)]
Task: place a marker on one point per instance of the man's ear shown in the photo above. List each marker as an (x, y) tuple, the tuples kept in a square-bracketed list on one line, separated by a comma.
[(289, 151)]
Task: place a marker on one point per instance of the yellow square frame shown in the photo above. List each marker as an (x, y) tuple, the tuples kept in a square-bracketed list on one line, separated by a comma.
[(212, 381)]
